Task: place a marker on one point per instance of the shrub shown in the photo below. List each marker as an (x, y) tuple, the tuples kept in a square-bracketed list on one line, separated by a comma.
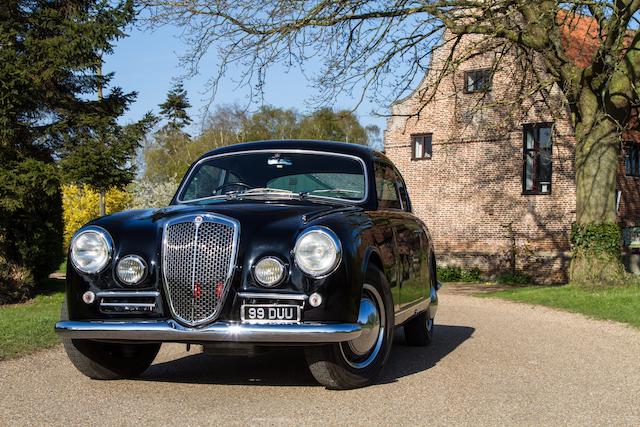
[(596, 238), (146, 194), (517, 278), (16, 282), (81, 205), (458, 274), (30, 219)]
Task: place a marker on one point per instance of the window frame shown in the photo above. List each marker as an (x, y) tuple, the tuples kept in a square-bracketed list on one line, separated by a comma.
[(489, 86), (629, 148), (535, 127), (425, 156)]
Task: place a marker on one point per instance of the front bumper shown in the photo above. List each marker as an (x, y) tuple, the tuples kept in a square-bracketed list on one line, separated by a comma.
[(171, 331)]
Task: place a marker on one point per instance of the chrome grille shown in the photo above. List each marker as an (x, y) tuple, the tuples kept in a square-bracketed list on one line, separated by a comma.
[(199, 254)]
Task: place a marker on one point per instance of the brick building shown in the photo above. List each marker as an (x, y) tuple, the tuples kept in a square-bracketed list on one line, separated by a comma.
[(490, 172)]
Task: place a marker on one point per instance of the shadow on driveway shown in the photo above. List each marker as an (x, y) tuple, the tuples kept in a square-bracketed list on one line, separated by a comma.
[(286, 366)]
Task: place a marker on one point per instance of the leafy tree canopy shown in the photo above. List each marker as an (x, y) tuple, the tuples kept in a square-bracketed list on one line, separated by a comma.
[(168, 157)]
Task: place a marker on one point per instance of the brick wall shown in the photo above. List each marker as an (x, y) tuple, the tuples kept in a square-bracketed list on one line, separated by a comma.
[(470, 192)]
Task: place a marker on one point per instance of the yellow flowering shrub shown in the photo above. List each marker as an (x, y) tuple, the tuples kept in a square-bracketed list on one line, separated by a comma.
[(82, 204)]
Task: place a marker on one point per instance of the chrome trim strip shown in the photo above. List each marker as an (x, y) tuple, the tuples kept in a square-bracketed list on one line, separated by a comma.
[(172, 331), (127, 304), (272, 295), (407, 313), (292, 151), (210, 217), (128, 294)]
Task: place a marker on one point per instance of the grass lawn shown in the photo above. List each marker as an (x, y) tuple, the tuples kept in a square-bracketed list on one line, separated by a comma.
[(621, 304), (25, 328)]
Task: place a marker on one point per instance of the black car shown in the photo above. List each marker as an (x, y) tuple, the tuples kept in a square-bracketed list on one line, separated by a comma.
[(273, 243)]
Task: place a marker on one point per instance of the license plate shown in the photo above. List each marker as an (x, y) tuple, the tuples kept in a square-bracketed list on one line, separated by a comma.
[(270, 313)]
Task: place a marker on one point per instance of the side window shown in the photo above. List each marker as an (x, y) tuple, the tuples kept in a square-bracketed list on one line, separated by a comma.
[(404, 197), (386, 188)]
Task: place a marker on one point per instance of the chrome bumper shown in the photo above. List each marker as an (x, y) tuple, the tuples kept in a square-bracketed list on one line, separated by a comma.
[(171, 331)]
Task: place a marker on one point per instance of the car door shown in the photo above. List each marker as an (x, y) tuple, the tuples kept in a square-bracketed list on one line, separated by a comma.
[(394, 206), (411, 250), (386, 219)]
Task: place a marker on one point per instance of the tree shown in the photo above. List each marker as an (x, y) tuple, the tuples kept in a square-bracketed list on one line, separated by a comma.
[(173, 150), (376, 46), (100, 152), (326, 124), (48, 53), (169, 155)]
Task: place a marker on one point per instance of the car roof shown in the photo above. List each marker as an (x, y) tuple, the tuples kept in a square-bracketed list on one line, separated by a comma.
[(358, 150)]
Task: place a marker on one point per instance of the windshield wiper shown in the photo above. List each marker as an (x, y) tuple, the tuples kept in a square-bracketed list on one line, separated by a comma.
[(335, 190), (260, 191)]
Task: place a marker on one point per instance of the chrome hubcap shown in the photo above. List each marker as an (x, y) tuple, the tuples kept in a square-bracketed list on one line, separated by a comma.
[(369, 319), (360, 352)]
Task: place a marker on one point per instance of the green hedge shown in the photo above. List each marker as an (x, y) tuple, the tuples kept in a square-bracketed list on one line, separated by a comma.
[(458, 274)]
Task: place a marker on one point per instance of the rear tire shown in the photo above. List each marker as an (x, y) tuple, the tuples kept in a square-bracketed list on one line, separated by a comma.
[(358, 363), (419, 330), (108, 361)]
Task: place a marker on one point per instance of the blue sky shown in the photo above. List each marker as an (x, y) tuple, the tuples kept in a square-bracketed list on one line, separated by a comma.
[(148, 62)]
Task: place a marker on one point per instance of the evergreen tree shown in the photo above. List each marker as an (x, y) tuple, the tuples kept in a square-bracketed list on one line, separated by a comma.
[(100, 153), (170, 153), (174, 109), (48, 54)]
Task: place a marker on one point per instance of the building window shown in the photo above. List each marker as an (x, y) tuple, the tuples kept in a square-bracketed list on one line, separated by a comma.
[(632, 159), (537, 169), (421, 146), (477, 81)]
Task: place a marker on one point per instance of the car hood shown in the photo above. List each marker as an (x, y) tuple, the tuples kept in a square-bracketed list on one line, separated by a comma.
[(266, 227)]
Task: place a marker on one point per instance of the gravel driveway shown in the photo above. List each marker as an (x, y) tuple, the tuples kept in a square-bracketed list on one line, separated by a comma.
[(493, 363)]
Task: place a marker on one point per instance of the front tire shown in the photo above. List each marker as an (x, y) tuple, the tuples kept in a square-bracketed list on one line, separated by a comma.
[(358, 363), (108, 361)]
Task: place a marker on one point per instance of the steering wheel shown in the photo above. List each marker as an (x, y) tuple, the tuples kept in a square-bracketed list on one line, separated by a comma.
[(230, 184)]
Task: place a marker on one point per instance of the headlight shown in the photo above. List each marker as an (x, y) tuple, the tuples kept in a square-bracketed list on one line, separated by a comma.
[(131, 270), (269, 271), (317, 251), (91, 250)]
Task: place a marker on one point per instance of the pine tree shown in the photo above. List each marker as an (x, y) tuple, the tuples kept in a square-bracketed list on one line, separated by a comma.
[(100, 153), (48, 55), (170, 154)]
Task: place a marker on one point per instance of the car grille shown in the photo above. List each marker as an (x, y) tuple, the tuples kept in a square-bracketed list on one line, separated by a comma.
[(198, 259)]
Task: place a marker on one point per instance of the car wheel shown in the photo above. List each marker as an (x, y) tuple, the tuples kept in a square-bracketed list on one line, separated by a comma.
[(358, 363), (108, 361), (419, 330)]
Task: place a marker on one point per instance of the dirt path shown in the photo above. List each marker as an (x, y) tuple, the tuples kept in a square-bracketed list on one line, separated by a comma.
[(493, 363)]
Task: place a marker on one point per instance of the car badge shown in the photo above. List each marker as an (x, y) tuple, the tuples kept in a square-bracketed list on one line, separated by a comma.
[(219, 290), (198, 220), (197, 290)]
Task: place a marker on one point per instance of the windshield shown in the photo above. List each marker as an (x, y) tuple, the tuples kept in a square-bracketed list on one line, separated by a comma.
[(276, 174)]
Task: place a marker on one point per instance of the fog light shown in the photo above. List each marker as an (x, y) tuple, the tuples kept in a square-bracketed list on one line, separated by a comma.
[(269, 271), (88, 297), (315, 299), (131, 270)]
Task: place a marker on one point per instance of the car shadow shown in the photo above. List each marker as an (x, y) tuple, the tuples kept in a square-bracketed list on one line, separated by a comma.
[(286, 366)]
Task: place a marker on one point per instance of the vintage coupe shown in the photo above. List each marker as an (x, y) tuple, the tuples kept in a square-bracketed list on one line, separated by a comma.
[(264, 244)]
